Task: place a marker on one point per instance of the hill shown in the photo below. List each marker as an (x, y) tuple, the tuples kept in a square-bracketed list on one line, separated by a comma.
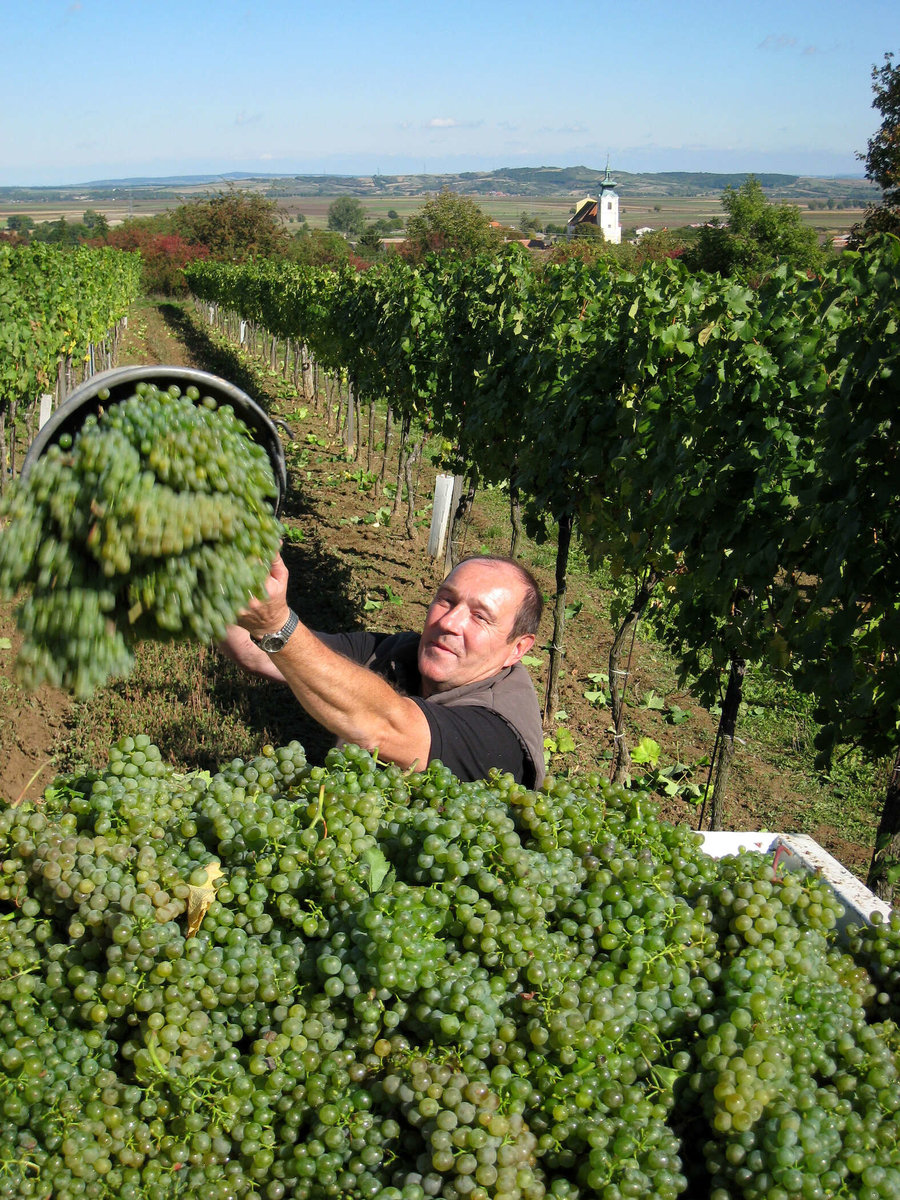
[(523, 182)]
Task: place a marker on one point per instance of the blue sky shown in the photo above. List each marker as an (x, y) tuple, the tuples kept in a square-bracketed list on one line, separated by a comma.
[(94, 89)]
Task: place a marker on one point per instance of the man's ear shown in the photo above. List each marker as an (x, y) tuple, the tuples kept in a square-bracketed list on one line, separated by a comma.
[(518, 648)]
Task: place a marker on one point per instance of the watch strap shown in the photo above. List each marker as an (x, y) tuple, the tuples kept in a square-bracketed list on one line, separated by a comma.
[(271, 643)]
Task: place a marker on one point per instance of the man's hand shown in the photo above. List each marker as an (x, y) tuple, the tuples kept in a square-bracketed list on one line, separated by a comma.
[(268, 614)]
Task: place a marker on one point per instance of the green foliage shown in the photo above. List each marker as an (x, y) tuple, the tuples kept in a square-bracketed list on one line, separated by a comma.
[(95, 223), (646, 751), (757, 237), (847, 628), (59, 233), (450, 223), (659, 245), (319, 248), (163, 254), (882, 157), (53, 304), (233, 225), (589, 250), (368, 244), (347, 215)]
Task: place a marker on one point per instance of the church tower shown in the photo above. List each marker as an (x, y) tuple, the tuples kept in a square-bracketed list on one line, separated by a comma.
[(608, 209)]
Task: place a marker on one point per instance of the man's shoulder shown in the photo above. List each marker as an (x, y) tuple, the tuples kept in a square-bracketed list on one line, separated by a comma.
[(395, 657)]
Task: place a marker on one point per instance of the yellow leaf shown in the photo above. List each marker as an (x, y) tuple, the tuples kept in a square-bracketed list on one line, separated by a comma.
[(201, 897), (704, 334)]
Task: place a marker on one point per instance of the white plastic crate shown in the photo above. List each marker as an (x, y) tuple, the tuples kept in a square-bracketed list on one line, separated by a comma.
[(800, 852)]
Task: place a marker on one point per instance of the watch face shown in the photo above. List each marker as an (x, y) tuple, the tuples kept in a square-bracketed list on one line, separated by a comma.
[(271, 643)]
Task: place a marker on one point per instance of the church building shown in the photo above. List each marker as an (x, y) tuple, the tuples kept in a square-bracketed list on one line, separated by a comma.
[(604, 212)]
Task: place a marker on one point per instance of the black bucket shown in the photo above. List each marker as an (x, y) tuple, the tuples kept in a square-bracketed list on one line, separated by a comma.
[(121, 382)]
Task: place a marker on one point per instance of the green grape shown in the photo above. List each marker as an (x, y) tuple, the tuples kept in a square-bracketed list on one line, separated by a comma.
[(156, 522), (406, 986)]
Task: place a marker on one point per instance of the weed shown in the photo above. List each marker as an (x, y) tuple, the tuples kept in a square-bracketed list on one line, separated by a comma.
[(597, 696)]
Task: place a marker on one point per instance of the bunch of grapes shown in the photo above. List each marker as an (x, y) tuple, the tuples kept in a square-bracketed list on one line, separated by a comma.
[(352, 981), (155, 521)]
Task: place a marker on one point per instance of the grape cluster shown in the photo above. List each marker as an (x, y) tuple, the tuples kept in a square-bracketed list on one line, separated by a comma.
[(877, 947), (155, 521), (403, 986)]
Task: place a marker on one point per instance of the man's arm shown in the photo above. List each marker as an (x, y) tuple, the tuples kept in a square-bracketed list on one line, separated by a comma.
[(348, 699), (237, 646)]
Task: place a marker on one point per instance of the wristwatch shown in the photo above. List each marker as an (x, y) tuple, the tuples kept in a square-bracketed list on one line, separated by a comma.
[(271, 643)]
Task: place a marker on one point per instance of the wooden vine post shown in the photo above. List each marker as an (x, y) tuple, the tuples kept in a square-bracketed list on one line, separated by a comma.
[(724, 753), (551, 696), (618, 676), (884, 868), (461, 506)]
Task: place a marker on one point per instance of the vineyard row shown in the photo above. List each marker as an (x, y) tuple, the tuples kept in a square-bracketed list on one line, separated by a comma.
[(728, 449), (60, 320)]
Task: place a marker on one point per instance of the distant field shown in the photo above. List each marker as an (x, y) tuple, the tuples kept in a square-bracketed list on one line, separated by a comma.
[(657, 212), (115, 212), (645, 210)]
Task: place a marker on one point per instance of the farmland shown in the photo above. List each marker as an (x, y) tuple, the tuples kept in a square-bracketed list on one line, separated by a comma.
[(831, 206), (237, 963)]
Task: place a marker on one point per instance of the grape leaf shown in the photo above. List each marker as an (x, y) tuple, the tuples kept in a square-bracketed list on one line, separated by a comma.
[(201, 897), (646, 751), (378, 867)]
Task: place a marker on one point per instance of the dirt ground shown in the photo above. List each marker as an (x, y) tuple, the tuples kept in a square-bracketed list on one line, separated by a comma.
[(354, 569)]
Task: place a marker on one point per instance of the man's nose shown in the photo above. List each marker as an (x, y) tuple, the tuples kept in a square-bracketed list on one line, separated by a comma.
[(452, 620)]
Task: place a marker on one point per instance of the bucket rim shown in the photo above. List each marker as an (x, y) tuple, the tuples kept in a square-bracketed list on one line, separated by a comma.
[(121, 383)]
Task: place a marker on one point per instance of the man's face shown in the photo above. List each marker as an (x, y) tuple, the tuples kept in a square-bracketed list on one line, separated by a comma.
[(468, 627)]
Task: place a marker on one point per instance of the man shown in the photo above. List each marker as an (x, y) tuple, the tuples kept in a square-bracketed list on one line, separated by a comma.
[(457, 692)]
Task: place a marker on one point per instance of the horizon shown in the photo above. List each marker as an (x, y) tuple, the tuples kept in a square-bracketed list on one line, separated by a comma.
[(103, 91), (236, 176)]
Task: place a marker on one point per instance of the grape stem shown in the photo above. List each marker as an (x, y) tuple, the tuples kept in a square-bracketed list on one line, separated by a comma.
[(320, 812)]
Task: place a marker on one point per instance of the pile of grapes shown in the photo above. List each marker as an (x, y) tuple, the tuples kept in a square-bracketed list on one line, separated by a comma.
[(349, 981), (156, 521)]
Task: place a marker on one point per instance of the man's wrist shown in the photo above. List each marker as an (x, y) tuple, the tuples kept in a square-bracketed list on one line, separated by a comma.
[(277, 639)]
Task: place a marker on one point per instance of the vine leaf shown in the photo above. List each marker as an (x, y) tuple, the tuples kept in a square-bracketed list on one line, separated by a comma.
[(378, 867), (201, 897), (646, 751)]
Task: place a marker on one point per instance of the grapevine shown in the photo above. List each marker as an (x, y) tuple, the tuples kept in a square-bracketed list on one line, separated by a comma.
[(728, 451), (406, 986), (54, 305)]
